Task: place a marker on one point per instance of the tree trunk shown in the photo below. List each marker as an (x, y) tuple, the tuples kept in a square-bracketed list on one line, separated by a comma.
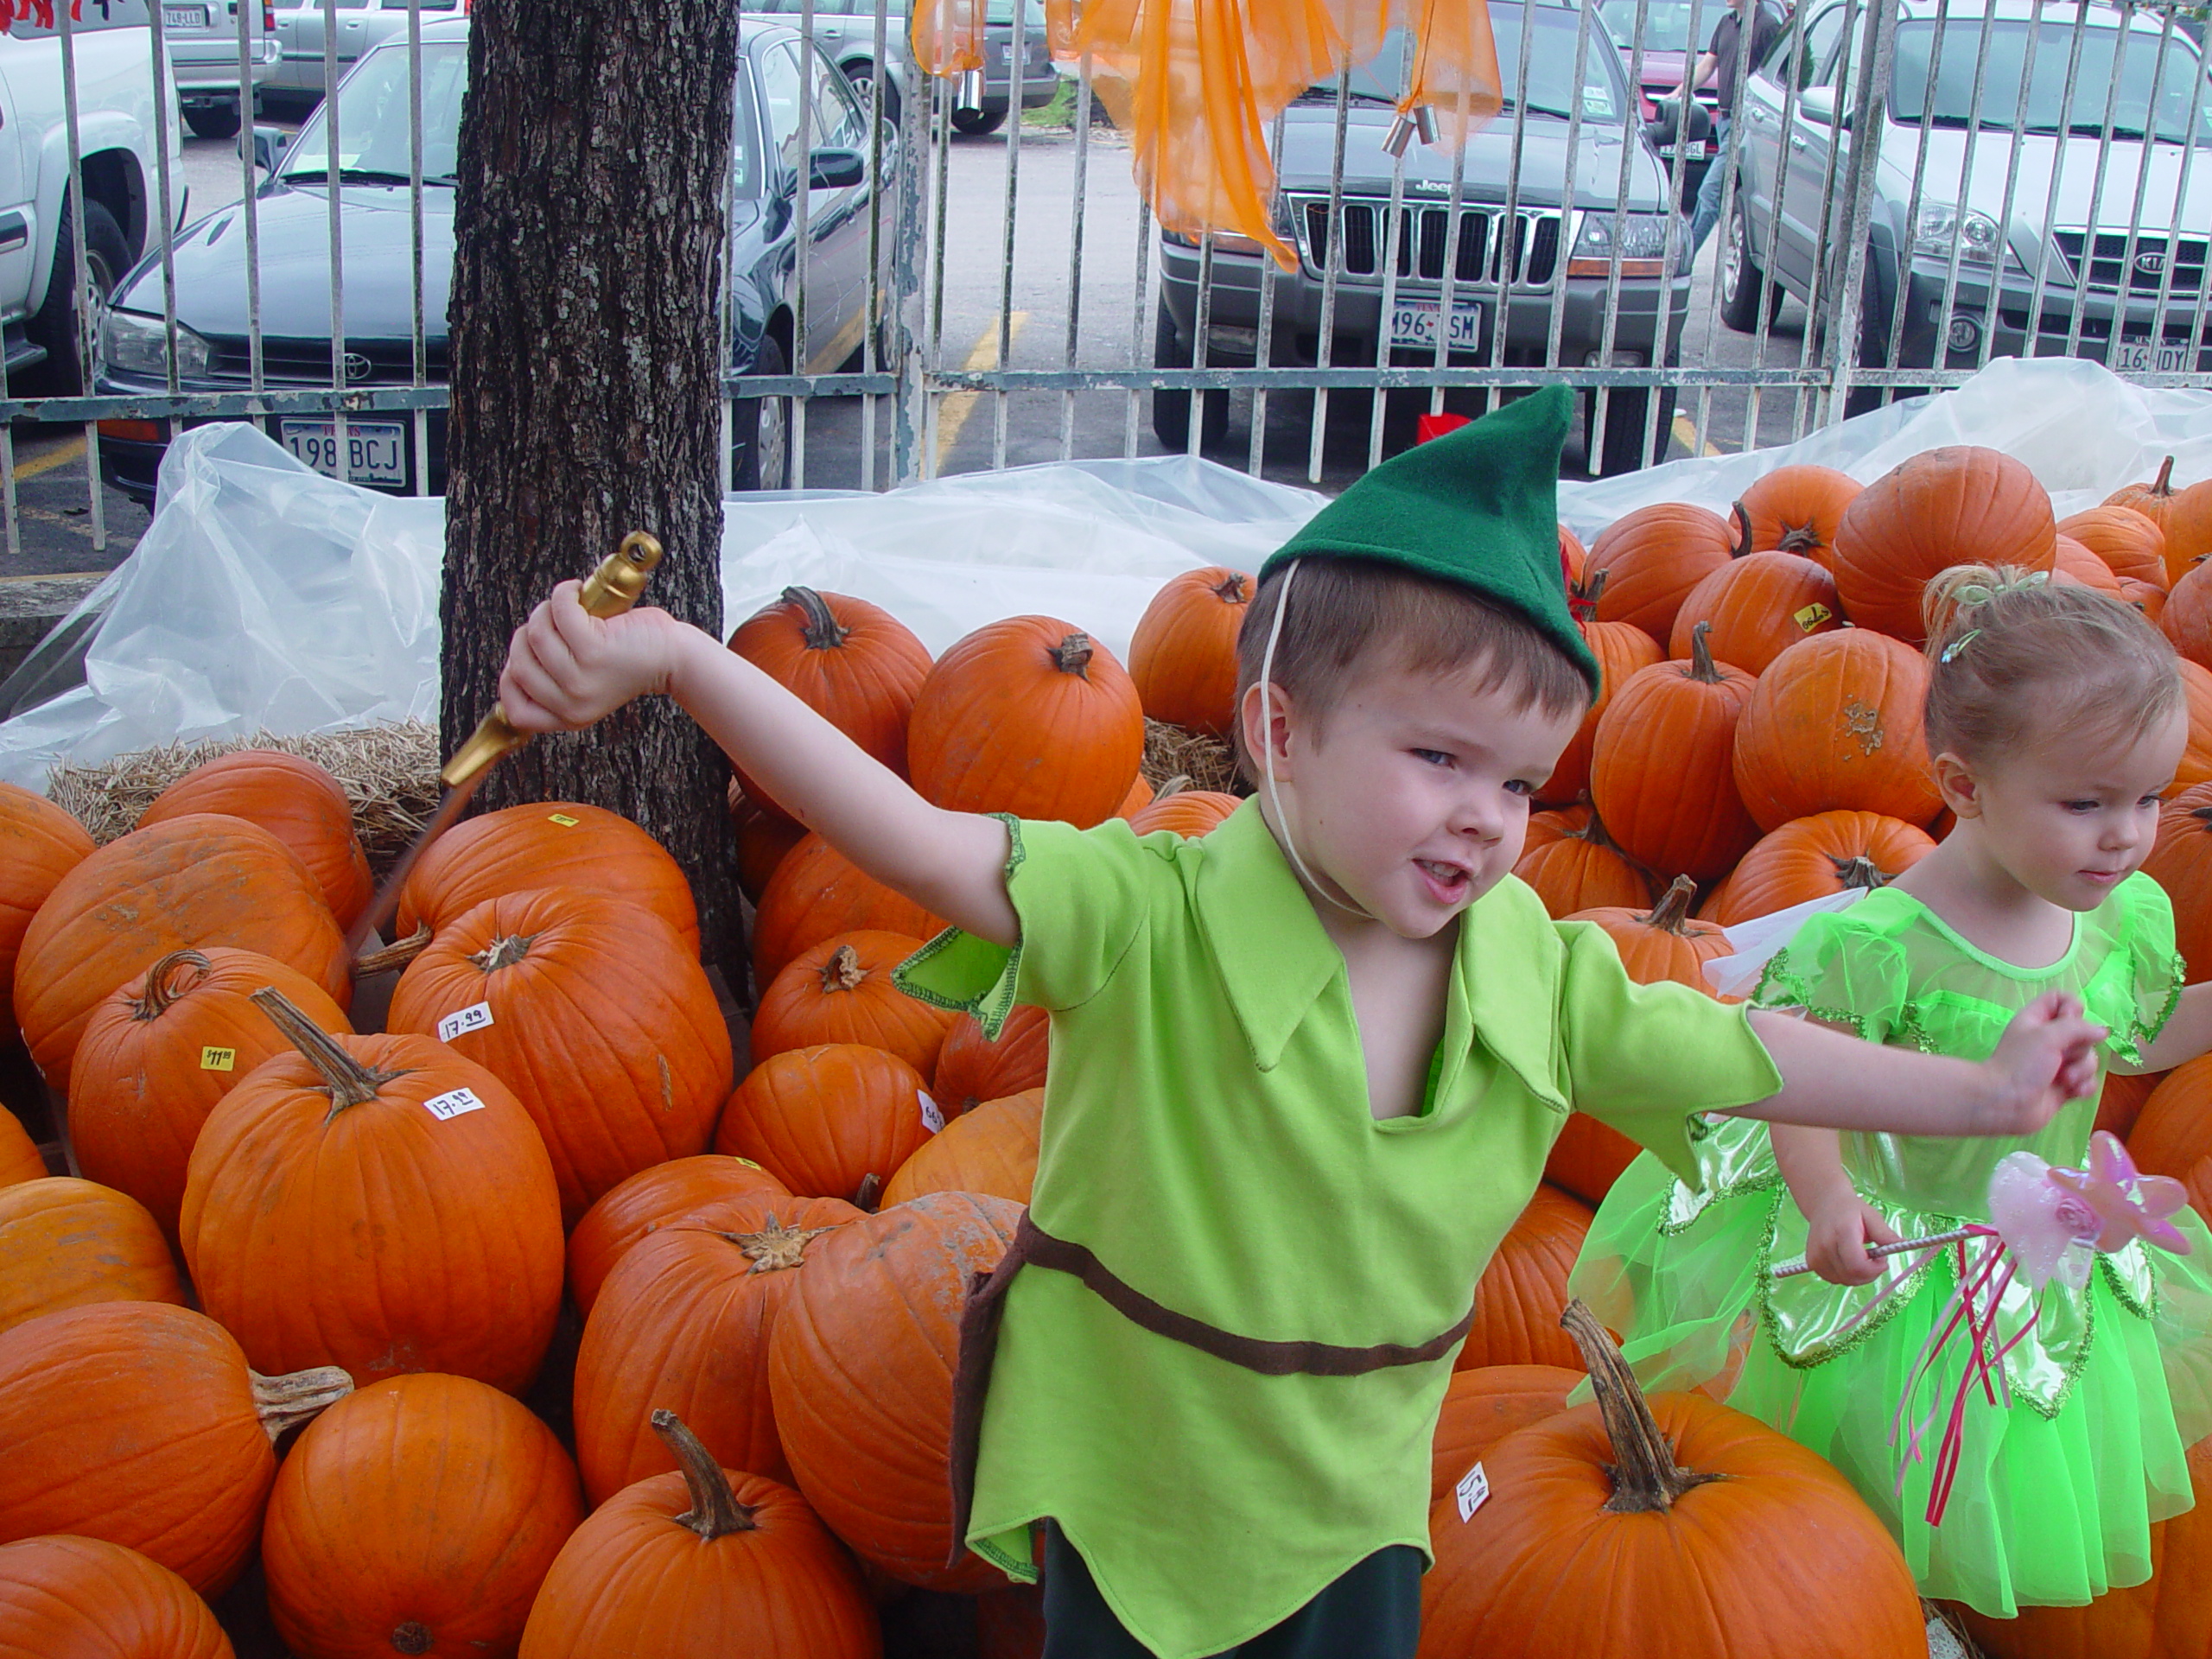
[(594, 145)]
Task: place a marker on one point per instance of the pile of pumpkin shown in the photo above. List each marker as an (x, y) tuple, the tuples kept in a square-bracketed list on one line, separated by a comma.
[(379, 1232)]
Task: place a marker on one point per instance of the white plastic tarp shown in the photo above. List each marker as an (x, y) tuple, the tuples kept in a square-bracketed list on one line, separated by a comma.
[(265, 597)]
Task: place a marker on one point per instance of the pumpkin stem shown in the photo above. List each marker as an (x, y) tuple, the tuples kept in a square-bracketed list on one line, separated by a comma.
[(869, 1193), (393, 958), (1672, 913), (1861, 871), (1072, 655), (776, 1248), (1235, 590), (350, 1082), (821, 631), (284, 1403), (1743, 548), (412, 1639), (1583, 596), (506, 952), (714, 1511), (1645, 1476), (1701, 668), (2163, 484), (166, 982), (843, 972), (1801, 539)]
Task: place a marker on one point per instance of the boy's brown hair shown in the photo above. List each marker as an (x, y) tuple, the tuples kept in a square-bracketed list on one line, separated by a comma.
[(1347, 615)]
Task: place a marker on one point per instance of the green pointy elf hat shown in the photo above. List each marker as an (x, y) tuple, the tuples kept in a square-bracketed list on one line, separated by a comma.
[(1478, 506)]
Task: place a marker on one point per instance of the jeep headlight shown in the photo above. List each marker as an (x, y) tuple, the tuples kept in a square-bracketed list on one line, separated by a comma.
[(1978, 235), (136, 344), (1646, 244)]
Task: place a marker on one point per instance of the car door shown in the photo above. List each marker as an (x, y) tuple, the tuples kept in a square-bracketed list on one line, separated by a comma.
[(837, 221), (19, 227), (1819, 62)]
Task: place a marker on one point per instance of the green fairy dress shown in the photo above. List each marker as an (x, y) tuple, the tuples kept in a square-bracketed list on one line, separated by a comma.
[(2055, 1492)]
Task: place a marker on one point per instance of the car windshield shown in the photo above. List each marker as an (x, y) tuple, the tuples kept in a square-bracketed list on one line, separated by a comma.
[(1666, 22), (373, 145), (1551, 89), (2123, 76)]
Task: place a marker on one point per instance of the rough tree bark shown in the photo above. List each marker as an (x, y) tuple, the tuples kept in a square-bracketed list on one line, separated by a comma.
[(587, 219)]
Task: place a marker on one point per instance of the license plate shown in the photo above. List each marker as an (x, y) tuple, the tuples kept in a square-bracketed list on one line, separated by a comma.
[(184, 17), (2141, 357), (1412, 322), (375, 451)]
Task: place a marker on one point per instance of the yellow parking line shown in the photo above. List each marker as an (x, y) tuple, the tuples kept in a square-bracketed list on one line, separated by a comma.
[(952, 413), (72, 450), (1686, 430)]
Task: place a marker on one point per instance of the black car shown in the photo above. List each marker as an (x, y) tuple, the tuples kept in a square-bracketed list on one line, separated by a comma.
[(214, 352)]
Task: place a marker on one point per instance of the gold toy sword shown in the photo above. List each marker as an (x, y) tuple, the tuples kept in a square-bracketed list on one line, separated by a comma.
[(609, 591)]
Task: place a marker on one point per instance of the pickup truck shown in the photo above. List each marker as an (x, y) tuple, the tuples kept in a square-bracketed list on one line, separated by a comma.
[(116, 93)]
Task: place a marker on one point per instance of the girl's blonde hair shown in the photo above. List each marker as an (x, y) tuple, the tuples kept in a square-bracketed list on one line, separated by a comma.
[(2013, 656)]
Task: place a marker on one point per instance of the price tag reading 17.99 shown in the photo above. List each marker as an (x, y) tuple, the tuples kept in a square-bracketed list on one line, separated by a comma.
[(454, 1103), (466, 1020)]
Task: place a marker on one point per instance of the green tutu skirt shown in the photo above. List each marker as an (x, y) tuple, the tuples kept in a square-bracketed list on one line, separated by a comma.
[(2056, 1489)]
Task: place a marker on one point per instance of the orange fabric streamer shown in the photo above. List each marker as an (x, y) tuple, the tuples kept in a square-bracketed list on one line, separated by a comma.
[(1455, 69), (947, 35)]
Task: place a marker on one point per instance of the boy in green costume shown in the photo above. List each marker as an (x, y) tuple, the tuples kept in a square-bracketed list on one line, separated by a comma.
[(1305, 1071)]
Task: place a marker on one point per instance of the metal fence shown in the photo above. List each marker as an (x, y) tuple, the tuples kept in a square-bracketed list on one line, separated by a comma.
[(1904, 191)]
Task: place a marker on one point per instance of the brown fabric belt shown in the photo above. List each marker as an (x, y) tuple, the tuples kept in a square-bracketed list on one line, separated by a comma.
[(1033, 1247)]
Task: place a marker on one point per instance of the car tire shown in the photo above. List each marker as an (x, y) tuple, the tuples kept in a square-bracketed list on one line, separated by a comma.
[(1622, 450), (978, 121), (1741, 284), (760, 455), (1170, 411), (861, 74), (55, 325), (213, 120)]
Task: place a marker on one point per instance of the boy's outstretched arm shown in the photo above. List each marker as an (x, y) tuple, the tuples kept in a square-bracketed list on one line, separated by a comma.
[(2046, 1058), (567, 668)]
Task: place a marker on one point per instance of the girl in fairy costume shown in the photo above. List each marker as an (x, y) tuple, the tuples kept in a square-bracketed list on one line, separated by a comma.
[(2056, 719)]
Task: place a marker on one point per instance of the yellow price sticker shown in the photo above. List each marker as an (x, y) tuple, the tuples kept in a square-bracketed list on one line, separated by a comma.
[(749, 1164), (1812, 616), (219, 1059), (562, 819)]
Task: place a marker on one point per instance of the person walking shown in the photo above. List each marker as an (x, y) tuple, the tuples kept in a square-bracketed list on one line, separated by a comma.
[(1725, 57)]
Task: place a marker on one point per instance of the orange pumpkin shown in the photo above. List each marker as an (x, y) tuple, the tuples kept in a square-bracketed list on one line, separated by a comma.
[(1029, 717), (139, 1423), (638, 1080), (197, 880), (1663, 776), (2131, 546), (972, 1069), (1518, 1299), (2186, 619), (158, 1054), (676, 1564), (1652, 558), (708, 1191), (860, 1367), (2196, 696), (2145, 597), (2184, 515), (841, 991), (1138, 798), (39, 843), (2181, 862), (1623, 650), (378, 1203), (1573, 555), (1183, 656), (1835, 723), (1811, 858), (545, 844), (1188, 813), (1626, 1518), (683, 1323), (992, 1149), (1588, 1157), (831, 1120), (20, 1158), (296, 801), (853, 662), (1795, 510), (2120, 1102), (2074, 565), (418, 1515), (2174, 1128), (1760, 607), (68, 1598), (1963, 505), (817, 892), (763, 840), (65, 1242), (1664, 943), (1573, 864), (1481, 1407)]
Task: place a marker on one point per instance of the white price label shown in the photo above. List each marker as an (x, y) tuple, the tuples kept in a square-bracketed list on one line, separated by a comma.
[(1473, 1491), (454, 1103), (466, 1020), (932, 1119)]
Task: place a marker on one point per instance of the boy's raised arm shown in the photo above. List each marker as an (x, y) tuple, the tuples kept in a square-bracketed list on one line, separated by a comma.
[(568, 668)]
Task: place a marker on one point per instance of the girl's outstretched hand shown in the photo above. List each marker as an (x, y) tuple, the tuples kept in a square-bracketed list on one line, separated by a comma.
[(566, 668), (2047, 1056)]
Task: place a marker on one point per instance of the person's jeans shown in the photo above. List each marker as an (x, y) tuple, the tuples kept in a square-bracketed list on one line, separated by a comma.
[(1707, 213)]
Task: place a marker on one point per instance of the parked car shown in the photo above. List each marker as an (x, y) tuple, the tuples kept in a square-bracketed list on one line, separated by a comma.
[(846, 30), (118, 96), (1502, 279), (2070, 208), (203, 36), (210, 262), (361, 26), (1668, 51)]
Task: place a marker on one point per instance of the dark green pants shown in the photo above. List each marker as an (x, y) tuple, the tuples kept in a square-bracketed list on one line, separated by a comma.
[(1372, 1612)]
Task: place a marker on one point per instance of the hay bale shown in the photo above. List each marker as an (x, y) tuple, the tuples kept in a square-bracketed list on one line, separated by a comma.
[(1189, 759)]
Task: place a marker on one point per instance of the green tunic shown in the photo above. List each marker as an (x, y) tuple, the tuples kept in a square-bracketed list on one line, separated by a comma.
[(1207, 1132)]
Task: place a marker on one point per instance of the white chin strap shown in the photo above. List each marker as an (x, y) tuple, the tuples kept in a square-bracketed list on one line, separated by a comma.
[(1267, 748)]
